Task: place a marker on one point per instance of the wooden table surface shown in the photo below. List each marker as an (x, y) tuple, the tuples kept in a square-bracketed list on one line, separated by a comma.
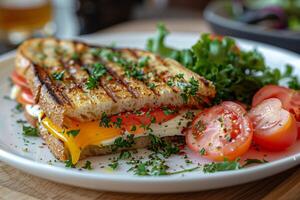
[(15, 184)]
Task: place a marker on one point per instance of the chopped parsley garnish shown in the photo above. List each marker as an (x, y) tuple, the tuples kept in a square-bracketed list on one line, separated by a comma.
[(189, 115), (133, 128), (168, 111), (7, 98), (98, 70), (114, 164), (131, 68), (221, 166), (184, 171), (30, 131), (143, 61), (202, 152), (118, 122), (69, 164), (58, 75), (250, 161), (91, 83), (88, 165), (228, 137), (170, 83), (151, 86), (162, 147), (73, 133), (19, 107), (105, 120), (141, 169), (155, 166), (121, 142), (200, 126), (190, 89), (153, 120), (179, 76), (75, 56), (134, 72), (125, 155), (20, 121)]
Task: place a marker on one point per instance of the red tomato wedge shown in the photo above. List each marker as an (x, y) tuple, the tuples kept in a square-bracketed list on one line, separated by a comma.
[(221, 132), (25, 98), (137, 122), (289, 98), (19, 80), (274, 127)]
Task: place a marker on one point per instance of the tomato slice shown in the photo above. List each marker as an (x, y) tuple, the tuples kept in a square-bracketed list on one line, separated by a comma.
[(25, 97), (162, 115), (19, 80), (274, 127), (130, 122), (221, 132), (289, 98), (136, 123)]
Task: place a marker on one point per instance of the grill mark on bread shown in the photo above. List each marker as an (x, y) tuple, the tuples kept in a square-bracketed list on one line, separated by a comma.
[(103, 85), (165, 74), (118, 78), (46, 81), (44, 78), (67, 67), (99, 97), (77, 61), (108, 91), (121, 80), (37, 94), (200, 78), (136, 57)]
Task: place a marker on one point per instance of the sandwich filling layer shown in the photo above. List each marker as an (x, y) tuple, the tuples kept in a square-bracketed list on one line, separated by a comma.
[(78, 135)]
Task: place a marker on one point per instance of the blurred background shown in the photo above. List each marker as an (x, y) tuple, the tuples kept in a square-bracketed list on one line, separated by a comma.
[(23, 19)]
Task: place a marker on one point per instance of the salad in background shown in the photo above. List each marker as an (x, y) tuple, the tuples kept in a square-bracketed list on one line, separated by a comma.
[(277, 14)]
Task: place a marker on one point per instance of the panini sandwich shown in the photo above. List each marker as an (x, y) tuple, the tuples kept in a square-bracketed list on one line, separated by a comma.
[(87, 100)]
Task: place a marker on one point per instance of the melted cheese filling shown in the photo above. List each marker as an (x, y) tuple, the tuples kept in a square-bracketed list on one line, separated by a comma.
[(90, 133)]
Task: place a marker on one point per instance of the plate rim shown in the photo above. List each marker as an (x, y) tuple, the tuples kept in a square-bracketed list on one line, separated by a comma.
[(20, 162)]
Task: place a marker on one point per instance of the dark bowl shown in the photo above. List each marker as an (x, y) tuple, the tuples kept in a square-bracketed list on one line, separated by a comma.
[(217, 15)]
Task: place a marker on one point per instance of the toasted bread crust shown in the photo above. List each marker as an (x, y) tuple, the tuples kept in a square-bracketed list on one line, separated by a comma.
[(61, 152), (37, 60)]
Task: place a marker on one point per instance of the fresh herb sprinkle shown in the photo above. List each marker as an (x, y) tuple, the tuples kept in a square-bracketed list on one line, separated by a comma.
[(73, 133), (30, 131), (59, 76)]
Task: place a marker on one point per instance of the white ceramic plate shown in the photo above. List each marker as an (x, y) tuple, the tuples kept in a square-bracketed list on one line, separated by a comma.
[(30, 155)]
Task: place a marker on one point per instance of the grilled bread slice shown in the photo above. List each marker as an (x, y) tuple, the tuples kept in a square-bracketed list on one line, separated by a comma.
[(74, 80)]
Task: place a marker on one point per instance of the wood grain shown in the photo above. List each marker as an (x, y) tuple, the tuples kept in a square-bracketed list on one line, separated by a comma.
[(288, 189), (17, 185)]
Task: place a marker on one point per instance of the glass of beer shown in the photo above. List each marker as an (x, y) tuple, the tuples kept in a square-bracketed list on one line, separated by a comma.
[(22, 19)]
